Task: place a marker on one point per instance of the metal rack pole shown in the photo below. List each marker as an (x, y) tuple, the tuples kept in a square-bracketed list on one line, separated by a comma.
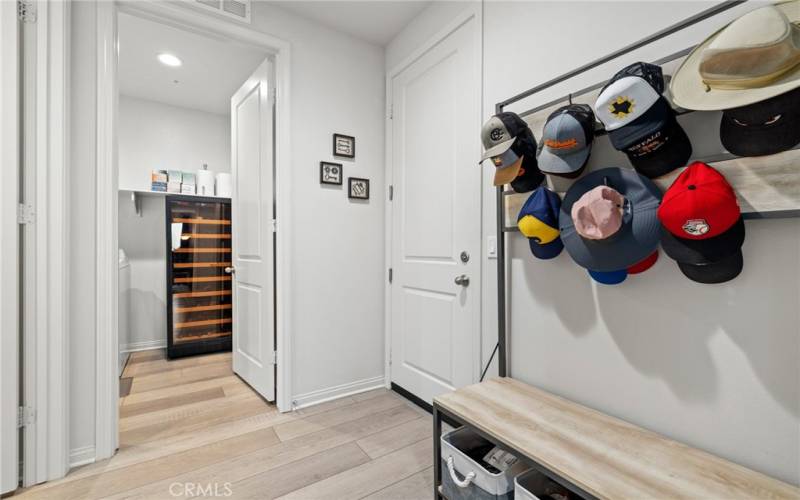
[(501, 243)]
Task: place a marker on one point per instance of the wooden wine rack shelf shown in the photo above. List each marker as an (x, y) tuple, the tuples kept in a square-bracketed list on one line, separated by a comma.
[(212, 293), (202, 279), (215, 307), (203, 250), (186, 265), (218, 222)]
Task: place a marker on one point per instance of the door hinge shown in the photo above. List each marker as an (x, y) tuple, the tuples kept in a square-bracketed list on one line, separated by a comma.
[(274, 357), (391, 111), (25, 416), (390, 275), (26, 11), (391, 192), (273, 224), (25, 214), (273, 95)]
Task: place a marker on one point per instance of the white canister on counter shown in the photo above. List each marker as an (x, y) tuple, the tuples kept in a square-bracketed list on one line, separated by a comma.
[(224, 187), (205, 182)]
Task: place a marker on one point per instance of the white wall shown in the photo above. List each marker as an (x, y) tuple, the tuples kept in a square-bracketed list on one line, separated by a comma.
[(713, 366), (154, 135), (337, 249), (157, 136)]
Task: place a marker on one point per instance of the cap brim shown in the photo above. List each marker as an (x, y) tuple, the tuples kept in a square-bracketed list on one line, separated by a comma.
[(716, 272), (609, 277), (644, 265), (546, 251), (497, 149), (504, 175), (563, 165), (754, 141), (529, 177), (674, 153), (634, 242), (690, 92), (706, 251)]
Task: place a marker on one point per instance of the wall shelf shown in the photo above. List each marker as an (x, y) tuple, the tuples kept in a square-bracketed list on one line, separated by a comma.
[(135, 195)]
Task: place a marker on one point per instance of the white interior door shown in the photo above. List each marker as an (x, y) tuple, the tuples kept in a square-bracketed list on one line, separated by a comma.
[(252, 232), (436, 218), (9, 247)]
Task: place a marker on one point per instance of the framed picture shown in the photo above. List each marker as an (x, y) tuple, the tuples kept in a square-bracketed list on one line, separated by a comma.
[(358, 188), (344, 146), (330, 173)]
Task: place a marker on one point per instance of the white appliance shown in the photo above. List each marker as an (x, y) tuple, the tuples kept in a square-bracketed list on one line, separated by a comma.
[(124, 308)]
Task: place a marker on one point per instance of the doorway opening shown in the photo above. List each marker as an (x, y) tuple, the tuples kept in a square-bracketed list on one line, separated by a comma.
[(196, 204)]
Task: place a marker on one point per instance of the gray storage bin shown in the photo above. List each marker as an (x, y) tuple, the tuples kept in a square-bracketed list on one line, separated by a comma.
[(466, 479), (533, 485)]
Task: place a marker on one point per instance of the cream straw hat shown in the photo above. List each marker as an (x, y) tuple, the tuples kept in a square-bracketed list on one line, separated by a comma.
[(755, 57)]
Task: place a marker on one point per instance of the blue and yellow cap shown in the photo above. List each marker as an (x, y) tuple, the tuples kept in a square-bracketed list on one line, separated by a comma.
[(538, 221)]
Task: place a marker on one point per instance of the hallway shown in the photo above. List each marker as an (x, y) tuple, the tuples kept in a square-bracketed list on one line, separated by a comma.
[(192, 428)]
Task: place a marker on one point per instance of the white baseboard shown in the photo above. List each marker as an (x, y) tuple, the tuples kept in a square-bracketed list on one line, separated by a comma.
[(144, 346), (81, 456), (336, 392)]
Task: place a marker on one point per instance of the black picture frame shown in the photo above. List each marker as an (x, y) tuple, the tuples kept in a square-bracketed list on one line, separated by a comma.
[(328, 173), (343, 151), (360, 193)]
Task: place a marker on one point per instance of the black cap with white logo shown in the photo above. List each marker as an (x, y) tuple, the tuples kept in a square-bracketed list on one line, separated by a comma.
[(641, 122), (763, 128)]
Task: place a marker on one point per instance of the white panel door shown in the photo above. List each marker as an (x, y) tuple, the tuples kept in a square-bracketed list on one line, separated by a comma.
[(436, 217), (9, 249), (252, 233)]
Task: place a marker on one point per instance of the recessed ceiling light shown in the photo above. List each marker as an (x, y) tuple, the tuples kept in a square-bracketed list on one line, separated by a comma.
[(169, 60)]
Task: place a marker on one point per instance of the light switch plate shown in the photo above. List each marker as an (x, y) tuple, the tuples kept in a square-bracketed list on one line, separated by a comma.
[(491, 247)]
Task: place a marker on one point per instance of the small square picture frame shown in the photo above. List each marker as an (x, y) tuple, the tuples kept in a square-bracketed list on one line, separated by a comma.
[(330, 173), (344, 146), (357, 188)]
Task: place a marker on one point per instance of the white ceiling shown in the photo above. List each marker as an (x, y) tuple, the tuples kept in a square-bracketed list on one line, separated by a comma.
[(375, 21), (213, 69)]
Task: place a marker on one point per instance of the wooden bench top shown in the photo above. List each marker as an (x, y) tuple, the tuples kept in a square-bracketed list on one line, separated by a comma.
[(603, 455)]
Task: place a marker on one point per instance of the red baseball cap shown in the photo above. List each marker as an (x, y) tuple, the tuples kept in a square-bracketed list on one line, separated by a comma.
[(699, 205), (644, 265)]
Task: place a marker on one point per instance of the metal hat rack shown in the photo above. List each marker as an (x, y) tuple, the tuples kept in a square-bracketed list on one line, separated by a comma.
[(499, 107)]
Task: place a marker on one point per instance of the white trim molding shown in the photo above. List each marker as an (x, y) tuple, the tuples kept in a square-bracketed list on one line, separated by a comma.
[(81, 456), (106, 298), (145, 345), (337, 392)]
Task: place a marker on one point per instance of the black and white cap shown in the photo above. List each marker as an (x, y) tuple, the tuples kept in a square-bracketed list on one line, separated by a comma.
[(641, 123)]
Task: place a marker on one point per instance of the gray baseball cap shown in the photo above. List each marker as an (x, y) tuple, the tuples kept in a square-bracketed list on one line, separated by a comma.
[(499, 133), (567, 141)]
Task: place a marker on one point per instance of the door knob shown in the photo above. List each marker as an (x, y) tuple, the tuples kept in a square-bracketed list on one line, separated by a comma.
[(230, 270), (462, 280)]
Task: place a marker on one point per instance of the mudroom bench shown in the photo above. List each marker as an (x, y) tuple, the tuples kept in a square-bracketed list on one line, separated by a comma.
[(590, 453)]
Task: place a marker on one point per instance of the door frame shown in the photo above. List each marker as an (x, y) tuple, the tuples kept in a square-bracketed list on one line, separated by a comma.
[(183, 17), (473, 12)]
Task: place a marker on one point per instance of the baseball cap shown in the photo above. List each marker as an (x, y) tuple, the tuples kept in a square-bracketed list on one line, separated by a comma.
[(644, 265), (609, 277), (641, 123), (529, 177), (638, 234), (567, 141), (700, 204), (763, 128), (538, 221), (508, 140), (703, 228)]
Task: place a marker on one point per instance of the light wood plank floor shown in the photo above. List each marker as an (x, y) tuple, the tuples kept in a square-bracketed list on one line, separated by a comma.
[(191, 428)]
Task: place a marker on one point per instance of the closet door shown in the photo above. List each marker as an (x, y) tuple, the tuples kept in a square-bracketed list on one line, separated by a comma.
[(253, 236), (9, 247)]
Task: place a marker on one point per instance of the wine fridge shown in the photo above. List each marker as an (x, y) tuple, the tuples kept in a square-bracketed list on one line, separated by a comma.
[(199, 296)]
